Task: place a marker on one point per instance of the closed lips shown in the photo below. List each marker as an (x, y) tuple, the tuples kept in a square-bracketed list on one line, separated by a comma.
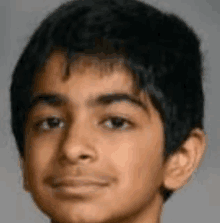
[(75, 182)]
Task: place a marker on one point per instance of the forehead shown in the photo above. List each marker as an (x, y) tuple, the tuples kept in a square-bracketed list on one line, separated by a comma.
[(96, 65), (82, 61), (87, 77)]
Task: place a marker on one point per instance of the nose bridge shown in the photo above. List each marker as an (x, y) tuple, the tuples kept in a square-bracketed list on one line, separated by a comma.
[(78, 142)]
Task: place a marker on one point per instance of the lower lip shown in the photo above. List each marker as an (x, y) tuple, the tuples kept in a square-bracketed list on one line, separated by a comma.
[(79, 191)]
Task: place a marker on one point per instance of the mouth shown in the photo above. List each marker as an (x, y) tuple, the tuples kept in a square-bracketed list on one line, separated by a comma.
[(73, 187), (79, 181)]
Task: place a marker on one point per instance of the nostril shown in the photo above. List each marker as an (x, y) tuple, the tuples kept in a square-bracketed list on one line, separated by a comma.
[(84, 156)]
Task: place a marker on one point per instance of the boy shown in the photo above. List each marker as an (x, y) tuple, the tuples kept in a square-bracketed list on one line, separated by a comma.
[(89, 68)]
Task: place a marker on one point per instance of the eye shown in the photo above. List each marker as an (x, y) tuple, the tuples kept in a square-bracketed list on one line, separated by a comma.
[(117, 123), (50, 123)]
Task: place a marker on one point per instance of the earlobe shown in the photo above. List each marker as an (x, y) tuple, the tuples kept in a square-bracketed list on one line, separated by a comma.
[(181, 165)]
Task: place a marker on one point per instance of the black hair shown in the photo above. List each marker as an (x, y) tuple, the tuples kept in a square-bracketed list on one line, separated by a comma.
[(162, 50)]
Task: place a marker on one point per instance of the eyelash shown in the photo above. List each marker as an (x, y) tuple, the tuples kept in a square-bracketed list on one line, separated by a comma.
[(39, 125), (122, 120)]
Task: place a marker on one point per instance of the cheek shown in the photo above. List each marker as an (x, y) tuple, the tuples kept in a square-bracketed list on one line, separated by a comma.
[(39, 151), (122, 153), (140, 157), (152, 160)]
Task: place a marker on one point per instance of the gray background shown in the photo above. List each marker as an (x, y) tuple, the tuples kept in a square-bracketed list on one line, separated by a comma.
[(199, 200)]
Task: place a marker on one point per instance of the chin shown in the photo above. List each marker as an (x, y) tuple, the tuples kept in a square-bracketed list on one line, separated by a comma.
[(79, 213)]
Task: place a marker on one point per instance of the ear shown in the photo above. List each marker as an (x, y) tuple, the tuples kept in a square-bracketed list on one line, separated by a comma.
[(182, 164), (24, 173)]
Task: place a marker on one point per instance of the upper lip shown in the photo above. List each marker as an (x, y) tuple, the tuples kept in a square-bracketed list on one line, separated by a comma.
[(79, 181)]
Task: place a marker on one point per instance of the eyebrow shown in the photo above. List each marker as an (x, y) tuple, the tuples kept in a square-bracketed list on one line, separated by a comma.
[(57, 100)]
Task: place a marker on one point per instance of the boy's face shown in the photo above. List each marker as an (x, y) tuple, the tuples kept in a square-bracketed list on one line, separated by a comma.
[(81, 132)]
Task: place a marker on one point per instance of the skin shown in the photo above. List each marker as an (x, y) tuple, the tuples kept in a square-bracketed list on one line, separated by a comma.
[(132, 153)]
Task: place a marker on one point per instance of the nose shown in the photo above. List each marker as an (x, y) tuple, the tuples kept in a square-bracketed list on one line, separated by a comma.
[(77, 146)]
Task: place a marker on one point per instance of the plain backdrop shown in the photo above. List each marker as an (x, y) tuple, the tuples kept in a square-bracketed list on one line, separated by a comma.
[(199, 200)]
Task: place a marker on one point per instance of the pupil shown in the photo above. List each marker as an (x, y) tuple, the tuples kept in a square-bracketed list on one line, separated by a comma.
[(53, 122), (117, 122)]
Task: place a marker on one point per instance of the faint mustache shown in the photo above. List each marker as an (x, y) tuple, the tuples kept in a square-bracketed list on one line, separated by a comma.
[(79, 177)]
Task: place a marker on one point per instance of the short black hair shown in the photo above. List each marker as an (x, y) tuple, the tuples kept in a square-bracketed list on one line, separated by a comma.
[(163, 51)]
